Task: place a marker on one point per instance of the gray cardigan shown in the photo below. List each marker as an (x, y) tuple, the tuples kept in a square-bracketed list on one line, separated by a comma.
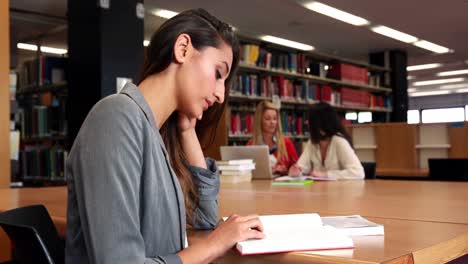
[(125, 203)]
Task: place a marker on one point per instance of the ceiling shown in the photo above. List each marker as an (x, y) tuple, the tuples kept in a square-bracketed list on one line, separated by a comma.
[(441, 22)]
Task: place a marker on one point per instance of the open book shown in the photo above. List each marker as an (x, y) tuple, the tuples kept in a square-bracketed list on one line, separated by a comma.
[(354, 225), (303, 178), (294, 232)]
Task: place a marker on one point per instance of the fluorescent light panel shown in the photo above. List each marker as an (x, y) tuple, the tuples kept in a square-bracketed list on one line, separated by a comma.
[(25, 46), (44, 49), (454, 86), (410, 90), (462, 90), (450, 73), (423, 66), (336, 13), (428, 93), (288, 43), (164, 13), (431, 46), (146, 43), (394, 34), (53, 50), (432, 82)]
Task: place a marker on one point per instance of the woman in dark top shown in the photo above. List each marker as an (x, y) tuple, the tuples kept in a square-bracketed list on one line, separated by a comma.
[(136, 171)]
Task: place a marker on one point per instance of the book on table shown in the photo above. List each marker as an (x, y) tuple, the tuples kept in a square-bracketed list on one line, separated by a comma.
[(294, 232), (292, 183), (302, 178), (354, 225)]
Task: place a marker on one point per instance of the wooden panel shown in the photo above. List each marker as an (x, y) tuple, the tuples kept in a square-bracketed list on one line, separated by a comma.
[(458, 141), (4, 114), (422, 173), (396, 146), (363, 135), (433, 134), (4, 95)]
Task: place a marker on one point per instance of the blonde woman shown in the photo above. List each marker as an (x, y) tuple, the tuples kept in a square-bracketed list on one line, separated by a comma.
[(267, 131)]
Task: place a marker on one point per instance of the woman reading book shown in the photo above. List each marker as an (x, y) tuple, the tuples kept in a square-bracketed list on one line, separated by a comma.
[(136, 172), (329, 152), (267, 131)]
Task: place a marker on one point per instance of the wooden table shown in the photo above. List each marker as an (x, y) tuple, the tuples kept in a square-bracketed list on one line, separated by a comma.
[(425, 222)]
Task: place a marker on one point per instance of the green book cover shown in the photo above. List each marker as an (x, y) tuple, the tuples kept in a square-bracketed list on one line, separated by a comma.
[(292, 183)]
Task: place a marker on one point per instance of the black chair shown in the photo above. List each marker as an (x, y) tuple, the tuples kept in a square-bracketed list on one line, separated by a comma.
[(448, 169), (369, 170), (33, 235)]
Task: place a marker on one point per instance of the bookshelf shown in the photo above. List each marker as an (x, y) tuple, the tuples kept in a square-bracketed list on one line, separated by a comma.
[(294, 80), (41, 99)]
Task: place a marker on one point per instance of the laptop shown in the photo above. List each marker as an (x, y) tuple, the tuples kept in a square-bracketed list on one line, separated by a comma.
[(258, 153), (448, 169)]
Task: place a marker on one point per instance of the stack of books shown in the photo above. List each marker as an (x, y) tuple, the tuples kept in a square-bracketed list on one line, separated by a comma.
[(234, 171)]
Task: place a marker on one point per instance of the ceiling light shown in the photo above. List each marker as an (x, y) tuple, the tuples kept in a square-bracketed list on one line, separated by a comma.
[(394, 34), (462, 90), (410, 90), (53, 50), (431, 46), (454, 86), (146, 43), (450, 73), (288, 43), (336, 13), (423, 67), (26, 46), (428, 93), (163, 13), (431, 82)]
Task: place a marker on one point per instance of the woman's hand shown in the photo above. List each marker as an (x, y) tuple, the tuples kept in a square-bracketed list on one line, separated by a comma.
[(185, 123), (235, 229), (317, 173), (280, 169), (295, 170)]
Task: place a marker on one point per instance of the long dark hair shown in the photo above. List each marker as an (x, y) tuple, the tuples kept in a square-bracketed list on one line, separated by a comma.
[(204, 30), (324, 123)]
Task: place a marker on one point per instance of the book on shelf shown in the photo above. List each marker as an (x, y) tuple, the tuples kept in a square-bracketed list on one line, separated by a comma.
[(294, 232), (302, 178), (354, 225), (44, 70)]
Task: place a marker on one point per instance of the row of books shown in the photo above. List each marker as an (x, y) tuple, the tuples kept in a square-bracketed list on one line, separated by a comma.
[(254, 55), (293, 122), (268, 86), (43, 162), (43, 121), (349, 73), (305, 90), (44, 70)]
